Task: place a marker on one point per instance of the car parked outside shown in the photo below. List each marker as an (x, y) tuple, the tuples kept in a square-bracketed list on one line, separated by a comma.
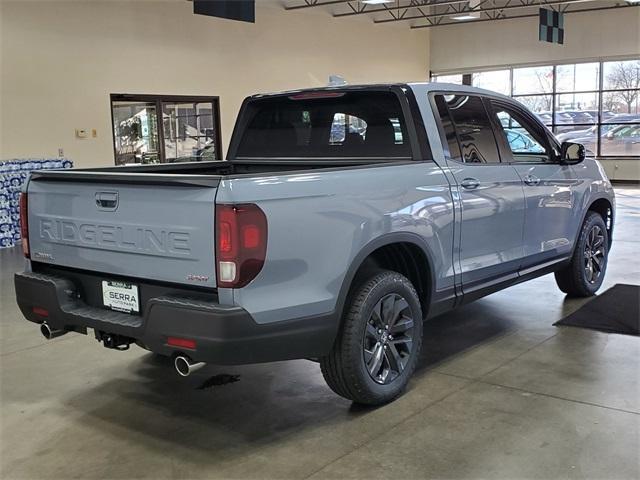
[(578, 116), (623, 140), (605, 115), (588, 134)]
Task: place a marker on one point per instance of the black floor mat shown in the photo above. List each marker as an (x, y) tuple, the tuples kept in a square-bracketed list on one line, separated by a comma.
[(615, 311)]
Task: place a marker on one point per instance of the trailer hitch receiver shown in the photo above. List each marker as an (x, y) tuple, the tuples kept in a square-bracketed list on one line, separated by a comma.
[(113, 341)]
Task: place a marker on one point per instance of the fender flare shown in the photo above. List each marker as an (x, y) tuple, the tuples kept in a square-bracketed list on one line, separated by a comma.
[(368, 249), (587, 209)]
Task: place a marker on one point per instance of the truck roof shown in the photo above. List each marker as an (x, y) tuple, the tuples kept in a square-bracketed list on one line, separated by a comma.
[(422, 87)]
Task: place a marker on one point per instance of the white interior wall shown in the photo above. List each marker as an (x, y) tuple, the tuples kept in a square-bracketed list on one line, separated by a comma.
[(60, 60), (601, 34), (594, 35)]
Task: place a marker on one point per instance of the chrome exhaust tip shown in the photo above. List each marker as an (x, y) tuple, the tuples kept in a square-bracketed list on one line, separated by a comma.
[(49, 333), (185, 367)]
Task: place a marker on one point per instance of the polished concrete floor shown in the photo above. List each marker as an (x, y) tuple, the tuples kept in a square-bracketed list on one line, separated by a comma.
[(499, 393)]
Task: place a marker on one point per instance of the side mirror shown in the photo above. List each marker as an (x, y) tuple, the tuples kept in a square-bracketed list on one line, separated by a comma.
[(572, 153)]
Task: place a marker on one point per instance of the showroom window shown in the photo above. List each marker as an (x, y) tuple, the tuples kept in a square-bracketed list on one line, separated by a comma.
[(448, 79), (593, 103), (188, 130), (497, 81)]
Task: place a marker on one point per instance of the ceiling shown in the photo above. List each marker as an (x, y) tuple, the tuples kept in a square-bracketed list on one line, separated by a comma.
[(438, 13)]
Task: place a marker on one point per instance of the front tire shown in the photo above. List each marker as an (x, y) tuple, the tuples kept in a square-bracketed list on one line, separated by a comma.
[(379, 342), (585, 274)]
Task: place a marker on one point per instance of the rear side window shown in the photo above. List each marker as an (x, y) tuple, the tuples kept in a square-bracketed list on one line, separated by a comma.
[(325, 125), (473, 128), (448, 128)]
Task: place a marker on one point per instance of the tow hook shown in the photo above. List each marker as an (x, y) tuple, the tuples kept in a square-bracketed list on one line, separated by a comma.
[(115, 342)]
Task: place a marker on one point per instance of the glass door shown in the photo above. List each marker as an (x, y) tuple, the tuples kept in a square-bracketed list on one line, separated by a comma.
[(135, 128), (189, 133)]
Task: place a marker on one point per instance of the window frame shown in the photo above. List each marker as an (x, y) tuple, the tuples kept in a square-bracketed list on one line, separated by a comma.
[(159, 100)]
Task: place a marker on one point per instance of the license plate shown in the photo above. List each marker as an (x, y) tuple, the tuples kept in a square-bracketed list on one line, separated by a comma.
[(120, 296)]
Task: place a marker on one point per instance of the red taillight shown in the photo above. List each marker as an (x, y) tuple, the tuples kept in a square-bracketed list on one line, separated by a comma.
[(181, 342), (225, 236), (314, 95), (24, 224), (241, 244), (250, 236)]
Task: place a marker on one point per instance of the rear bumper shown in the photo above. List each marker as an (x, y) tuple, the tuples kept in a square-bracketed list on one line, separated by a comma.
[(223, 335)]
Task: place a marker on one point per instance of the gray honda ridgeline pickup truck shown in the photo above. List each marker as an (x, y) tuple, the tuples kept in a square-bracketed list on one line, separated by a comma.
[(343, 217)]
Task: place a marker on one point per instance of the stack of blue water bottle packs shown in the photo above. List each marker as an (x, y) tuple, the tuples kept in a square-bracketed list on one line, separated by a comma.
[(13, 174)]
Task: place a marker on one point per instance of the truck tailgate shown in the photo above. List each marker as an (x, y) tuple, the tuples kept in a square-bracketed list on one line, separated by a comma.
[(148, 230)]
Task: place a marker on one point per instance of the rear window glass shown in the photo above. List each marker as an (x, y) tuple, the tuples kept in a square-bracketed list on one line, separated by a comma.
[(325, 125)]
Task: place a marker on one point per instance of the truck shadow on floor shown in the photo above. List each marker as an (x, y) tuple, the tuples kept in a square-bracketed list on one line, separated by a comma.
[(270, 401), (449, 335)]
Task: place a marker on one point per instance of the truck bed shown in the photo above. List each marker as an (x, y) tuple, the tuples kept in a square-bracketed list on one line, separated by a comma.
[(149, 221)]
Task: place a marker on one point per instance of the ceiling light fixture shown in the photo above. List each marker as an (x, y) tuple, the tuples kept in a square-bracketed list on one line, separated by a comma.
[(466, 16), (469, 14), (378, 2)]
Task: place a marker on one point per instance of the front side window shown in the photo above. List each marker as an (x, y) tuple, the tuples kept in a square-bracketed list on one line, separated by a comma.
[(473, 128), (524, 139), (331, 124)]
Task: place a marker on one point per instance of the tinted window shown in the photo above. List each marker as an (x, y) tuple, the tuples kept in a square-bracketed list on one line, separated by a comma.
[(448, 128), (326, 124), (526, 140), (473, 126)]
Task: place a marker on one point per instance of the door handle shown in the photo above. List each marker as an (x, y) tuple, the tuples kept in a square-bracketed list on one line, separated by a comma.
[(470, 183), (531, 180), (107, 200)]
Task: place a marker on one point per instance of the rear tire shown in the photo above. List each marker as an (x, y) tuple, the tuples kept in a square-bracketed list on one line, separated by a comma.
[(584, 275), (379, 341)]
